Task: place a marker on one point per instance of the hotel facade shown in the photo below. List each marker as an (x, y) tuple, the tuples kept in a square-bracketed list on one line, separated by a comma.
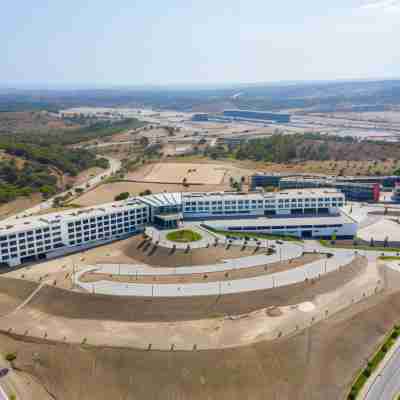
[(33, 238)]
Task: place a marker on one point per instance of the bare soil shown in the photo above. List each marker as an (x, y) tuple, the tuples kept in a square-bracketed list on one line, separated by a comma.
[(18, 205), (317, 363), (209, 277), (60, 302), (137, 250), (107, 192)]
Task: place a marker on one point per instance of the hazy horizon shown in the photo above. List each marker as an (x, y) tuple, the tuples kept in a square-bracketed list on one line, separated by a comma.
[(144, 44)]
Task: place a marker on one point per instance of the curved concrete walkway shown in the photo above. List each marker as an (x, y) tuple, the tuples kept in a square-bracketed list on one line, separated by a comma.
[(284, 252), (279, 279)]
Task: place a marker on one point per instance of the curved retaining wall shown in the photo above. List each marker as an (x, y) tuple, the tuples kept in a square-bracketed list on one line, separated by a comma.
[(69, 304), (294, 276)]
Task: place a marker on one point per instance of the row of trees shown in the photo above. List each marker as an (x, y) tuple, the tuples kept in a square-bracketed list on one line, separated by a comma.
[(282, 148)]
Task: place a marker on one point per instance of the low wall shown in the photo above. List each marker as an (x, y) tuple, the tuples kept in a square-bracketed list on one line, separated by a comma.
[(69, 304)]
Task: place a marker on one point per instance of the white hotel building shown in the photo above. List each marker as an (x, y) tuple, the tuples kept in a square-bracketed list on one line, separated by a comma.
[(306, 213), (209, 205)]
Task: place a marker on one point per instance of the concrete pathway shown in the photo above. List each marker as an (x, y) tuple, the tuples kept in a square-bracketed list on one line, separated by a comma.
[(3, 395), (309, 271)]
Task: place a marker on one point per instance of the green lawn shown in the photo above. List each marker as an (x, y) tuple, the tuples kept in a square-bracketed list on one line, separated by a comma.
[(255, 235), (389, 258), (183, 236)]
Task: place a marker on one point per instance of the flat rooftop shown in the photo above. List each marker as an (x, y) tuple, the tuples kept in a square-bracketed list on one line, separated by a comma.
[(289, 193), (339, 219), (46, 220)]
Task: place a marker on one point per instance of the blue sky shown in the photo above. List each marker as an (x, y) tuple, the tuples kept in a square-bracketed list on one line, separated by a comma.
[(130, 42)]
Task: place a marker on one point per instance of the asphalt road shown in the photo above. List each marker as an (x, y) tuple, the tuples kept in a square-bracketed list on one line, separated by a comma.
[(3, 395), (386, 385)]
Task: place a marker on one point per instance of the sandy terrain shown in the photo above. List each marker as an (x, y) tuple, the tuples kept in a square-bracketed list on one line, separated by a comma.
[(106, 193), (78, 305), (18, 205), (204, 174), (319, 362)]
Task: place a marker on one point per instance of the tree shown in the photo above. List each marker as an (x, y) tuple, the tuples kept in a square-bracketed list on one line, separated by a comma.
[(145, 192), (121, 196), (47, 191)]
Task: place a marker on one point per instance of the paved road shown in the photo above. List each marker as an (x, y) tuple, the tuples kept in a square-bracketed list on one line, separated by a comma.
[(3, 395), (386, 385), (115, 165), (99, 145)]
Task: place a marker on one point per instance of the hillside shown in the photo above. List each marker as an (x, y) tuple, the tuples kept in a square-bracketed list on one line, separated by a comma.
[(319, 362)]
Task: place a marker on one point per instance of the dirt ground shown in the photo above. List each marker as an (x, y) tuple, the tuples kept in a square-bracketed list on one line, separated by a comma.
[(320, 362), (345, 168), (129, 251), (370, 166), (18, 205), (107, 192), (205, 174), (209, 277), (59, 302), (84, 176), (135, 250)]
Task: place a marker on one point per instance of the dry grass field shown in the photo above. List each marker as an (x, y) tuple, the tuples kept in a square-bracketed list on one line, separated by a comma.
[(201, 174), (106, 193), (346, 168)]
